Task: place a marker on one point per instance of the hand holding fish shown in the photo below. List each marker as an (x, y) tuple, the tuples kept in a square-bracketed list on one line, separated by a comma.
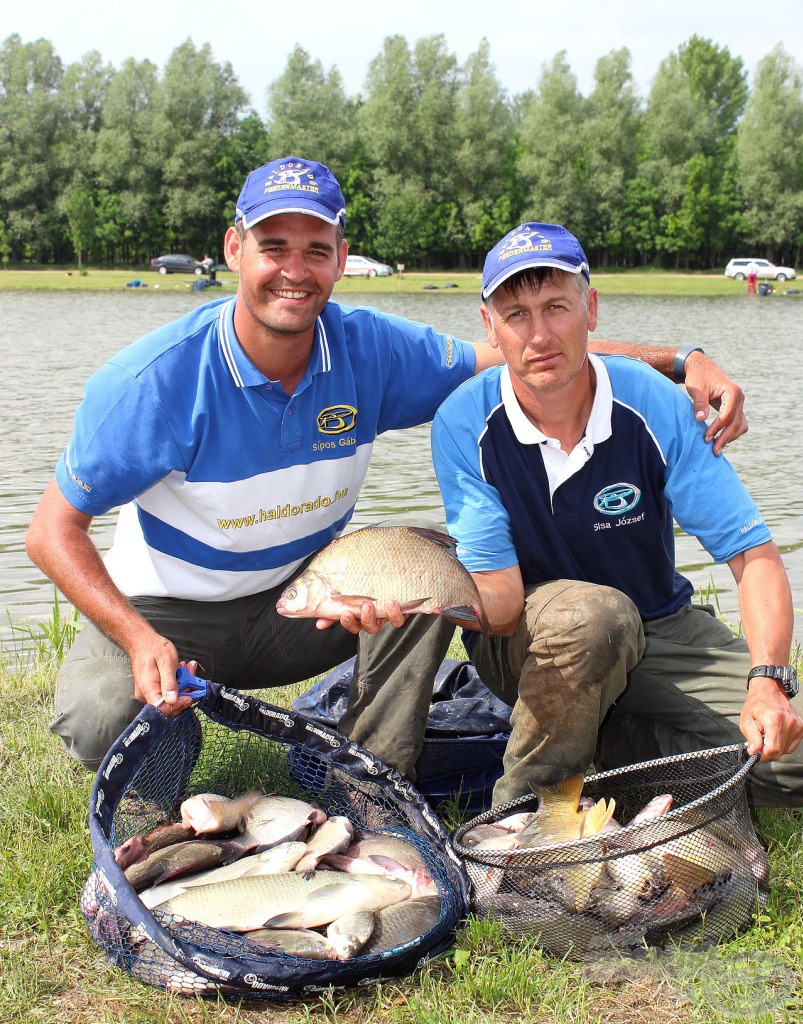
[(369, 620), (768, 721)]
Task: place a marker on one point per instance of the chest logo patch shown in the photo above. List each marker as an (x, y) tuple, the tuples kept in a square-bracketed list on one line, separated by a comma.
[(616, 499), (336, 419)]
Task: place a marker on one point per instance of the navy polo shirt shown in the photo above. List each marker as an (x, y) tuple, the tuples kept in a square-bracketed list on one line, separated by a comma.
[(607, 515)]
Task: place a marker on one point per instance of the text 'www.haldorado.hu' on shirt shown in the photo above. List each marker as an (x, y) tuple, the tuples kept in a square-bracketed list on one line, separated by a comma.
[(269, 515)]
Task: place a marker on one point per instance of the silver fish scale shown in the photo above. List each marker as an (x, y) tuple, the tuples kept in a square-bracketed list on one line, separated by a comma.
[(393, 563)]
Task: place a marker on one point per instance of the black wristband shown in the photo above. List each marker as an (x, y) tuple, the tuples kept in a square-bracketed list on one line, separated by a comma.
[(679, 363)]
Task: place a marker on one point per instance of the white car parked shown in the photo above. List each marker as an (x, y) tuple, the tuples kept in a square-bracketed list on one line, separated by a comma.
[(363, 266), (737, 269)]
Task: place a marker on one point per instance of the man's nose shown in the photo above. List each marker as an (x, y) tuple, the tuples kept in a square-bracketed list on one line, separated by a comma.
[(294, 266)]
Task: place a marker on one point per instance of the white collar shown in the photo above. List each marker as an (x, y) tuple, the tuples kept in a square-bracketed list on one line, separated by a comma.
[(598, 428)]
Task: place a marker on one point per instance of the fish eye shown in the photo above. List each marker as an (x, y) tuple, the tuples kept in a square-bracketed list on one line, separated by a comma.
[(290, 593)]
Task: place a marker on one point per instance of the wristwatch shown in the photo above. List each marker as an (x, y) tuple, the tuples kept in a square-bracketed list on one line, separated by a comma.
[(679, 362), (785, 675)]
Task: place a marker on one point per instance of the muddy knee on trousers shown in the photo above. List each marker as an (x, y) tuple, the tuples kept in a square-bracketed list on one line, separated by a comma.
[(585, 629), (571, 653)]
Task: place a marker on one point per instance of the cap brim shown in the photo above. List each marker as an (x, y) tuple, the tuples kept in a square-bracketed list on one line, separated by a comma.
[(570, 268), (273, 211)]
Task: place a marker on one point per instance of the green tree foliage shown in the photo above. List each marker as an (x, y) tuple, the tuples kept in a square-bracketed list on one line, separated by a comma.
[(770, 158), (128, 166), (309, 114), (611, 133), (553, 163), (435, 160), (696, 98), (198, 103), (31, 116), (487, 189)]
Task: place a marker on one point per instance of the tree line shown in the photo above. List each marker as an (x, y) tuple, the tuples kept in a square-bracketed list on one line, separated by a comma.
[(114, 166)]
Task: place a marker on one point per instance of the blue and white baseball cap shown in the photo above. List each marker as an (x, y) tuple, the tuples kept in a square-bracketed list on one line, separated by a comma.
[(291, 185), (532, 245)]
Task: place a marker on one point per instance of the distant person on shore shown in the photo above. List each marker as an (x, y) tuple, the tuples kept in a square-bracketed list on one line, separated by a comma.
[(207, 265), (752, 277), (235, 442), (562, 474)]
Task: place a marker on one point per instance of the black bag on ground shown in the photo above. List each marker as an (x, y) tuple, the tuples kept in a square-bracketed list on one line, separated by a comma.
[(467, 731), (229, 743), (694, 874)]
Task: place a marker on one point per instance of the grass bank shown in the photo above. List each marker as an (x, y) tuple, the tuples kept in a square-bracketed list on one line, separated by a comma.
[(51, 972), (646, 282)]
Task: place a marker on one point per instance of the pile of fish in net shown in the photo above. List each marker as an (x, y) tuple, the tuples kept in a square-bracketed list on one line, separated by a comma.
[(657, 853), (243, 849)]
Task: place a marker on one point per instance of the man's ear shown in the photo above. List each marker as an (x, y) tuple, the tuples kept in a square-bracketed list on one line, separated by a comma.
[(485, 312), (342, 253), (231, 249), (593, 308)]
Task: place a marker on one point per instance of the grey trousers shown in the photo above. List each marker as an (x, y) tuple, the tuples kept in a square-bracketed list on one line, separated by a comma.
[(246, 644), (590, 682)]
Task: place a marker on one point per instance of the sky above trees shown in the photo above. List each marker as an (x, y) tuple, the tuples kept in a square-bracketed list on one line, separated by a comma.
[(523, 34)]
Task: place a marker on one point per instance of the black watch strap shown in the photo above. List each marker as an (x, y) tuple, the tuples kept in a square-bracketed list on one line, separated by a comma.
[(785, 675), (679, 362)]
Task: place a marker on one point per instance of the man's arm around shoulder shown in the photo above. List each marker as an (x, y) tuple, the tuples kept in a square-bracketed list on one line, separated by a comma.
[(58, 542)]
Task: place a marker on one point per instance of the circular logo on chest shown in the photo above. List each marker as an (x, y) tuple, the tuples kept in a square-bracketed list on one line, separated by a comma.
[(336, 418), (617, 499)]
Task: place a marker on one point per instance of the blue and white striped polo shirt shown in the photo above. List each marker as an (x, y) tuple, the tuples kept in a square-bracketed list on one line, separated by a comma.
[(605, 514), (227, 483)]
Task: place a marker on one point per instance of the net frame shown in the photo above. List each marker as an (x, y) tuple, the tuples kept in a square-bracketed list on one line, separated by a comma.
[(158, 761), (554, 891)]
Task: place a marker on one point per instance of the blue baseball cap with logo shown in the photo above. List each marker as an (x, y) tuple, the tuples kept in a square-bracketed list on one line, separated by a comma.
[(290, 185), (532, 245)]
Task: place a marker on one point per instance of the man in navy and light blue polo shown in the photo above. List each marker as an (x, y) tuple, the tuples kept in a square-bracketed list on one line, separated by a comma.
[(561, 475), (235, 442)]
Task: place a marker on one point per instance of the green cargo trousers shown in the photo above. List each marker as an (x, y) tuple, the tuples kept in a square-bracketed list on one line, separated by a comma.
[(246, 644), (588, 681)]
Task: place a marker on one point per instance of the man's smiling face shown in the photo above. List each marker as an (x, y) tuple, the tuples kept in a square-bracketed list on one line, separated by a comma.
[(287, 266)]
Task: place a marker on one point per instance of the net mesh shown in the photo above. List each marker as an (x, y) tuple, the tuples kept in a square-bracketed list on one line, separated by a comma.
[(204, 751), (694, 874)]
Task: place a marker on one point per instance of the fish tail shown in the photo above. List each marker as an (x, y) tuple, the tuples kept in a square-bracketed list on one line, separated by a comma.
[(598, 817), (566, 792)]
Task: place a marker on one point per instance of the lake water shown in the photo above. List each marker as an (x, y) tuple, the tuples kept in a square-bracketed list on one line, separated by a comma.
[(51, 342)]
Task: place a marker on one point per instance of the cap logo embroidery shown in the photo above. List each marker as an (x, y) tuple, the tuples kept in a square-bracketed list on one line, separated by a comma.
[(522, 241), (289, 176)]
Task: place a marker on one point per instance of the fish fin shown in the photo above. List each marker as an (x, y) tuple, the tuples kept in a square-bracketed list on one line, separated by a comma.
[(436, 536), (410, 607), (332, 889), (354, 602), (462, 613), (335, 860), (389, 863), (293, 919), (687, 875), (598, 817)]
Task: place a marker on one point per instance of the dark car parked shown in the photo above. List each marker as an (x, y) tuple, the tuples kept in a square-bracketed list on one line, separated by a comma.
[(176, 263)]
